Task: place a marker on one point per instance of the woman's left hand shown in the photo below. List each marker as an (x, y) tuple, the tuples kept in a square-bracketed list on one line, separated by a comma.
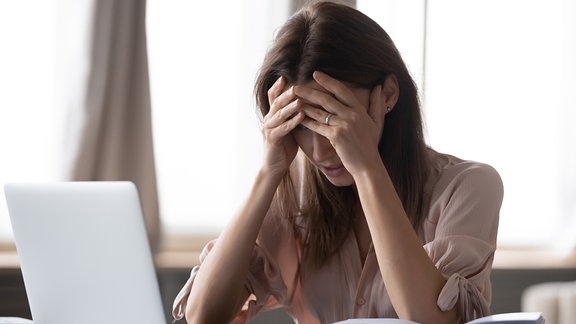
[(354, 128)]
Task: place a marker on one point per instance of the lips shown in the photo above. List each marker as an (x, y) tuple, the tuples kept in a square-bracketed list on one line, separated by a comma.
[(333, 171)]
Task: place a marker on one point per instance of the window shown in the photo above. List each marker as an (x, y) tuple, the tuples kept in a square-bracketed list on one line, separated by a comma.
[(404, 21), (498, 88), (203, 63), (31, 121), (496, 78), (499, 84)]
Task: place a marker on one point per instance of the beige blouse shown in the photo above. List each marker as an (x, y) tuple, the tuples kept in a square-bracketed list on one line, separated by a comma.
[(459, 234)]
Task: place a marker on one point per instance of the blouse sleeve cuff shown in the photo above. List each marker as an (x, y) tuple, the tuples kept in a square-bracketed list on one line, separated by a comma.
[(179, 305), (265, 283), (458, 291)]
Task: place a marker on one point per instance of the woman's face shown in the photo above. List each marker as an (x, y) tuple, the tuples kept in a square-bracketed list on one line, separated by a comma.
[(320, 151)]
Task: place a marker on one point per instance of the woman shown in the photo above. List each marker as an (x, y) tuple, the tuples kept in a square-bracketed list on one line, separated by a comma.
[(370, 222)]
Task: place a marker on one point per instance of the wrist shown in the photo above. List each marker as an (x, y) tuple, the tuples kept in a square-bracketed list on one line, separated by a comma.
[(373, 168), (270, 176), (375, 181)]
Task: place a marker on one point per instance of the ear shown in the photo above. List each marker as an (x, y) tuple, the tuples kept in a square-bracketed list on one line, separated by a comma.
[(390, 91)]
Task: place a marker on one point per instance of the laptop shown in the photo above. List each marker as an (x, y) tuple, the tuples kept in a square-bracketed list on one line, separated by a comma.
[(84, 253)]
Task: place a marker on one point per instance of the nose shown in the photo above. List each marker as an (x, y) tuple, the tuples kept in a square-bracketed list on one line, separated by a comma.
[(322, 148)]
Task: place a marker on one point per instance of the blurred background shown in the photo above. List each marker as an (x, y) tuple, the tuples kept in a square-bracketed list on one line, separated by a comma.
[(160, 93)]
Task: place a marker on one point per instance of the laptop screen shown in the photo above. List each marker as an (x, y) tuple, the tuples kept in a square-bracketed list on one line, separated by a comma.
[(84, 253)]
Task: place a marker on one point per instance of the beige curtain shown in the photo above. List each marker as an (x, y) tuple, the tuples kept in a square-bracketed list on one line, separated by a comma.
[(113, 124)]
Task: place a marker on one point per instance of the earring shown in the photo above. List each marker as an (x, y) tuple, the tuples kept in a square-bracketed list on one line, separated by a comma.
[(388, 109)]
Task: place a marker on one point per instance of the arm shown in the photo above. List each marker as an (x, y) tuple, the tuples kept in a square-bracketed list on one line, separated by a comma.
[(412, 280), (464, 208), (219, 289)]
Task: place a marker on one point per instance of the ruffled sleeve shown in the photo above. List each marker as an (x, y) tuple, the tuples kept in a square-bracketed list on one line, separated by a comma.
[(466, 263), (179, 305), (264, 282), (461, 232)]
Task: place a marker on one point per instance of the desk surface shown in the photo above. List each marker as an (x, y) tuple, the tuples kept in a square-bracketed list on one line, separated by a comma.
[(504, 259), (163, 260)]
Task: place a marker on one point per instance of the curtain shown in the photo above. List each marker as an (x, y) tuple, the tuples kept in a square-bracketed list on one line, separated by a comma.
[(112, 123)]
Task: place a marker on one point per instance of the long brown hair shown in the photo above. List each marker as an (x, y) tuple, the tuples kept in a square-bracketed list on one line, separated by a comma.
[(351, 47)]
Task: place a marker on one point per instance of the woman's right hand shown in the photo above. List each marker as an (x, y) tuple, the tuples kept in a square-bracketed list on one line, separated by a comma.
[(284, 115)]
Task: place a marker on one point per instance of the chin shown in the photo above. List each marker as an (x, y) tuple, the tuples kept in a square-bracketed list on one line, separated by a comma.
[(341, 181)]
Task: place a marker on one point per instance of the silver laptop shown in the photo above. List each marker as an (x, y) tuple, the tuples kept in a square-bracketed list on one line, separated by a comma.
[(84, 253)]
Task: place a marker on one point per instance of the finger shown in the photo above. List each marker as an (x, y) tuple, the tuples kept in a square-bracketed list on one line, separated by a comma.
[(318, 98), (377, 109), (276, 134), (278, 116), (279, 96), (320, 115), (337, 88), (276, 89), (316, 126), (279, 102)]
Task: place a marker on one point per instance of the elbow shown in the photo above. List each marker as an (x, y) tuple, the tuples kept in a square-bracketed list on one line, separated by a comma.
[(207, 309), (197, 315), (201, 320), (189, 315), (194, 316)]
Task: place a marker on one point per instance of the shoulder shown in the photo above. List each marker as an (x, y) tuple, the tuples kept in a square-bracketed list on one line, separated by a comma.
[(461, 190), (448, 172)]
